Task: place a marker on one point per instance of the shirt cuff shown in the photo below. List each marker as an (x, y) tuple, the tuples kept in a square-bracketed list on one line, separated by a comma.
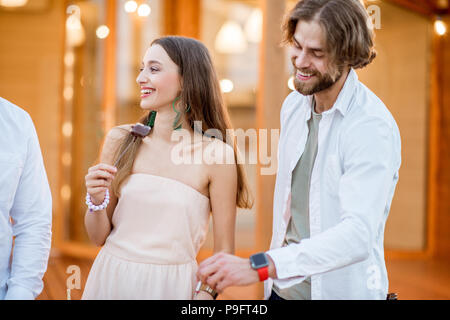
[(282, 266), (285, 278), (16, 292)]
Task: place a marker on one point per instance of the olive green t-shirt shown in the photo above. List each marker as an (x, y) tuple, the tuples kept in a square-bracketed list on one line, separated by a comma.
[(298, 227)]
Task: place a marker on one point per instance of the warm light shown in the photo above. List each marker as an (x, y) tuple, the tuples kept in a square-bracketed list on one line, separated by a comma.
[(442, 4), (291, 83), (102, 32), (67, 129), (440, 27), (144, 10), (66, 192), (69, 59), (68, 93), (226, 85), (13, 3), (75, 31), (253, 27), (130, 6), (230, 39), (66, 159)]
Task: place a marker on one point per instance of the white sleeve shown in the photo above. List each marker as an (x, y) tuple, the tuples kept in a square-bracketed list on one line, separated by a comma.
[(32, 216)]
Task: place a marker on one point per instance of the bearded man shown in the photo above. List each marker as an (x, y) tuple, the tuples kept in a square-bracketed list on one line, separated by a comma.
[(339, 157)]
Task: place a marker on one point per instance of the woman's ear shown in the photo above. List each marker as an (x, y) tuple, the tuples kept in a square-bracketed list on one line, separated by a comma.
[(181, 84)]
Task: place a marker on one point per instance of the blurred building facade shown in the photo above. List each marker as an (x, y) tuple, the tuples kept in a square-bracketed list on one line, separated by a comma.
[(72, 65)]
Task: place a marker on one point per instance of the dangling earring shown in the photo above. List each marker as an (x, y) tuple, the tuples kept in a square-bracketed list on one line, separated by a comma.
[(151, 119), (176, 125)]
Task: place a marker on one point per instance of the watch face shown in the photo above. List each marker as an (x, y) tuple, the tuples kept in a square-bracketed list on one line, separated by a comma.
[(259, 260)]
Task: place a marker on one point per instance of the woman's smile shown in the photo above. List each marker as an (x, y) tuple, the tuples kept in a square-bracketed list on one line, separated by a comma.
[(146, 92)]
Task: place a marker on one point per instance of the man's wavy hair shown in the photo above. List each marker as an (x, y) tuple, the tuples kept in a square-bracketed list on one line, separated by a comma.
[(347, 26)]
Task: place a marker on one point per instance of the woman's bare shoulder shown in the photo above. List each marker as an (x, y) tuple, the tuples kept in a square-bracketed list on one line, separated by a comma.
[(119, 132), (112, 141), (217, 153)]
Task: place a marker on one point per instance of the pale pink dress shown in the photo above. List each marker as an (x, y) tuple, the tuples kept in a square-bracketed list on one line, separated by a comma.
[(159, 225)]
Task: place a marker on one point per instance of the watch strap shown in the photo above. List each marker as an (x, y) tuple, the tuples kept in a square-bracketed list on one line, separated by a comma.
[(263, 273)]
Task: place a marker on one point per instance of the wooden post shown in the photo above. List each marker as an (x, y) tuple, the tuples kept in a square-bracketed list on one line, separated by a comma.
[(58, 206), (439, 188), (109, 90), (433, 145), (272, 89), (182, 17)]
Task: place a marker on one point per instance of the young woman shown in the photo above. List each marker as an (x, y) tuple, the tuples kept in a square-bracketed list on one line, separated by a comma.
[(158, 211)]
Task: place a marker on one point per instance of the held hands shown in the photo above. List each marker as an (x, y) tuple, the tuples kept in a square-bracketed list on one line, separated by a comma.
[(223, 270), (98, 180)]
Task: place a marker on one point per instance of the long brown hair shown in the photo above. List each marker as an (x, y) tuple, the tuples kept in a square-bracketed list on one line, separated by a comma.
[(349, 36), (201, 91)]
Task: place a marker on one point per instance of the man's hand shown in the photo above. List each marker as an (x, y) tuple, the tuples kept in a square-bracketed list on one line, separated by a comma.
[(223, 270)]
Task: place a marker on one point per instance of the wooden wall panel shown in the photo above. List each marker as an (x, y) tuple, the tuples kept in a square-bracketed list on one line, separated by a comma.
[(399, 77), (442, 217)]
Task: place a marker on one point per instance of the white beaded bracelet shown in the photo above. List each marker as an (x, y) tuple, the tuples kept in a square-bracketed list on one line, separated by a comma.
[(93, 207)]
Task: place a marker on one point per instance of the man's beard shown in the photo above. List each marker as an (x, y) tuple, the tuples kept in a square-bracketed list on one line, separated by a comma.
[(324, 82)]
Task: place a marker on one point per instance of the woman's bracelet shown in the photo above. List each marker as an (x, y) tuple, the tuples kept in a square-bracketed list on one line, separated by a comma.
[(93, 207), (204, 287)]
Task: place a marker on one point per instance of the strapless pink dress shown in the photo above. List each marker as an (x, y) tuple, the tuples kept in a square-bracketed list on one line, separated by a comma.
[(159, 225)]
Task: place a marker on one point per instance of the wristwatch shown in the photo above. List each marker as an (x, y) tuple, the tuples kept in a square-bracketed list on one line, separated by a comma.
[(260, 263)]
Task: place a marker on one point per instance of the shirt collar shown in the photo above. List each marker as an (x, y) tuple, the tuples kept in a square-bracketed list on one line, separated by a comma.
[(345, 95)]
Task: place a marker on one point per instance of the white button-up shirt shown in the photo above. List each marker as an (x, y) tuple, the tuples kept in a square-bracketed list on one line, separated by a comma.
[(352, 186), (25, 206)]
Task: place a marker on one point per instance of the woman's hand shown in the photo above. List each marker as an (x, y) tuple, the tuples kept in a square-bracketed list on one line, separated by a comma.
[(98, 180)]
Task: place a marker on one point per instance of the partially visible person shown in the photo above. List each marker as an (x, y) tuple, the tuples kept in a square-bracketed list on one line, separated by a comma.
[(25, 207)]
